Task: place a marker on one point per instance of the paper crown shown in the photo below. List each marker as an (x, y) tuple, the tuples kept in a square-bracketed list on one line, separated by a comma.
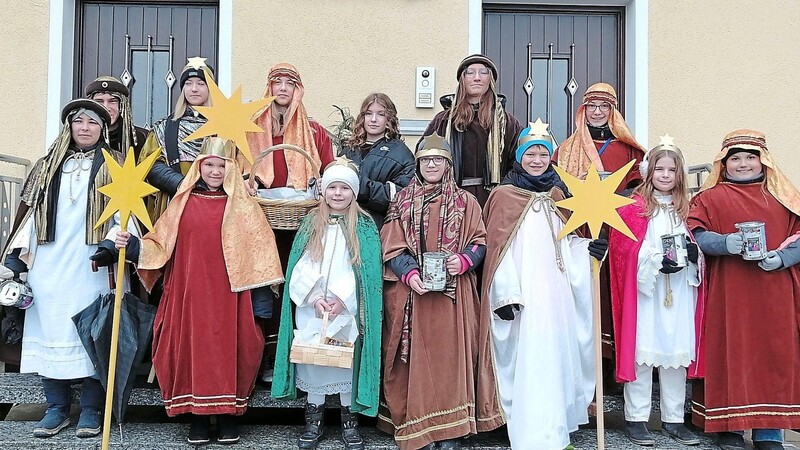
[(216, 146), (434, 145)]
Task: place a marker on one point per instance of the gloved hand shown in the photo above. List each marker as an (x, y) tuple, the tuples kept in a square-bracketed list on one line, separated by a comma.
[(598, 248), (692, 252), (103, 257), (507, 312), (771, 262), (669, 266), (734, 243)]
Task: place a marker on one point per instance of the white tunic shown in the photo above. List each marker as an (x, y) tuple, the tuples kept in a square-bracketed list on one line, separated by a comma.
[(341, 282), (544, 358), (63, 284), (665, 336)]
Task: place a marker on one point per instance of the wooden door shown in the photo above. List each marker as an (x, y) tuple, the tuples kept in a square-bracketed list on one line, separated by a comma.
[(144, 44), (548, 56)]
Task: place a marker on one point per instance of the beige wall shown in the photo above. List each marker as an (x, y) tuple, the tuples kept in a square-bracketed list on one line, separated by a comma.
[(719, 65), (346, 49), (23, 82)]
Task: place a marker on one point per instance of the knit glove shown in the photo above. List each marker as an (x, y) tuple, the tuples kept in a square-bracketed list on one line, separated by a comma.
[(507, 312), (598, 248), (771, 262), (669, 266), (734, 243)]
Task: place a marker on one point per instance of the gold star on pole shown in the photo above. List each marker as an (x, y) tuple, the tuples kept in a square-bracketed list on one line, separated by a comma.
[(229, 118), (197, 62), (667, 140), (594, 202), (127, 188)]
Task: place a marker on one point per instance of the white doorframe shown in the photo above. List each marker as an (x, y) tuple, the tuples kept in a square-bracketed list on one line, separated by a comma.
[(636, 54), (61, 58)]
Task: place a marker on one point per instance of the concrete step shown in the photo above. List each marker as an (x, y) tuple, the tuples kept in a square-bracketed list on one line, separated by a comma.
[(142, 436)]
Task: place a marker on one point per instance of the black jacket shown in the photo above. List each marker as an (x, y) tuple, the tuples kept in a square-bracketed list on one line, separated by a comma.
[(387, 162)]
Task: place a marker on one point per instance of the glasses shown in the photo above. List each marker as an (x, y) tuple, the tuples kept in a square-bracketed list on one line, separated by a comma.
[(482, 72), (604, 107), (436, 160)]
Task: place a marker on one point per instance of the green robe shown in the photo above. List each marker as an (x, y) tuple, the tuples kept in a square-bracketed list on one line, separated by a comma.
[(367, 351)]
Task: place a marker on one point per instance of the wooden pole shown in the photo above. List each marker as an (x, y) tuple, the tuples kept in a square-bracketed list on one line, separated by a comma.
[(598, 351), (112, 363)]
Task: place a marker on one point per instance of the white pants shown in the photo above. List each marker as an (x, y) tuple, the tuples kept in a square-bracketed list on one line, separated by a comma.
[(638, 394)]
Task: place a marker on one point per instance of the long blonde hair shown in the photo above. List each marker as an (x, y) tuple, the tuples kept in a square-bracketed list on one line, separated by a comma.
[(319, 224), (182, 103), (680, 193), (462, 109)]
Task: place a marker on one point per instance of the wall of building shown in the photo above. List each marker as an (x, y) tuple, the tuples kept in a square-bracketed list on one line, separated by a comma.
[(716, 66), (23, 57), (346, 49)]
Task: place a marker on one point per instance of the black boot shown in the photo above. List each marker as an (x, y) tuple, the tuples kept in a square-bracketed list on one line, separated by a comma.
[(227, 429), (638, 434), (313, 432), (200, 430), (352, 440)]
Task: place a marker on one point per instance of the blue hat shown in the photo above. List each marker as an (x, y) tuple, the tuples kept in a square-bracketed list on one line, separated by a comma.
[(535, 134)]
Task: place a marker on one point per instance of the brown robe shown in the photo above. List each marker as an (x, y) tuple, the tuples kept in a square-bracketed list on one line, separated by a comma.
[(447, 389), (752, 318)]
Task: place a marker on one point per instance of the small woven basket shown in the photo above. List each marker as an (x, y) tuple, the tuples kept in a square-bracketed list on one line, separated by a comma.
[(285, 214), (321, 354)]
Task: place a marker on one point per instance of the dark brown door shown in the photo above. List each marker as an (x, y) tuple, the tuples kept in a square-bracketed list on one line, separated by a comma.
[(548, 56), (145, 44)]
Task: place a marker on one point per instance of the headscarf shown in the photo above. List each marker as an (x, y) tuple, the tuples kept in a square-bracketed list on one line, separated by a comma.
[(776, 182), (578, 151), (248, 244), (296, 131)]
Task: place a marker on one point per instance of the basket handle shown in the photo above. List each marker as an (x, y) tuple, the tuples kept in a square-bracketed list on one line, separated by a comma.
[(322, 336), (269, 150)]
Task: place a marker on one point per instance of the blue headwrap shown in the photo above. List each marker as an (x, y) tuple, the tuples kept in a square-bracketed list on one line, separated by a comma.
[(526, 140)]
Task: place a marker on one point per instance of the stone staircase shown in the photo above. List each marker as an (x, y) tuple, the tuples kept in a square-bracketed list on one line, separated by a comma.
[(268, 424)]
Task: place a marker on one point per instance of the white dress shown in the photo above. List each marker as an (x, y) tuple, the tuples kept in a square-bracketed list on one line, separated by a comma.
[(341, 282), (544, 358), (665, 336), (63, 284)]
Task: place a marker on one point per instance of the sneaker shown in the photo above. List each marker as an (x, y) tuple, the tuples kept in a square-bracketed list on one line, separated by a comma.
[(730, 441), (54, 420), (638, 434), (768, 445), (227, 429), (90, 423), (680, 433), (199, 432)]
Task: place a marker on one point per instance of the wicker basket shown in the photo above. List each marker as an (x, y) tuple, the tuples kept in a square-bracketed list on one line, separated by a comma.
[(285, 214), (321, 354)]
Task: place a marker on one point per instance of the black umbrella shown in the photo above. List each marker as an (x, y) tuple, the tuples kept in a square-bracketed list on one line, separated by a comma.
[(94, 326)]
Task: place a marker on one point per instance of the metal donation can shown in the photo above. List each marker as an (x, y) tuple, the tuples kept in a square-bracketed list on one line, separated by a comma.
[(434, 270), (674, 247), (755, 240)]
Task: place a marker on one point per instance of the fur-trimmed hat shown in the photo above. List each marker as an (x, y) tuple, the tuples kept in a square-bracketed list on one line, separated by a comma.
[(106, 83), (476, 59)]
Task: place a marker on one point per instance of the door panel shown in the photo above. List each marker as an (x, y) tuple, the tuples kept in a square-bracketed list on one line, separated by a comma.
[(145, 44), (551, 47)]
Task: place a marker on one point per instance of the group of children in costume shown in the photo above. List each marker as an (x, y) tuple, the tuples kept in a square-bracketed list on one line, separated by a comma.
[(507, 339)]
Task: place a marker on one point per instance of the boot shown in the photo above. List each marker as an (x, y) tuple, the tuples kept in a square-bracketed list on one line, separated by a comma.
[(638, 434), (352, 440), (227, 429), (313, 432)]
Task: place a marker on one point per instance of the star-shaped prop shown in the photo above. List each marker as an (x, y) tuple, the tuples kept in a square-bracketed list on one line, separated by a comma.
[(229, 118), (197, 62), (667, 140), (594, 202), (538, 128), (127, 188)]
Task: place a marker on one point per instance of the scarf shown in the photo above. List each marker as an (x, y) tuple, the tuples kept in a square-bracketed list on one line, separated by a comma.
[(296, 131), (537, 183)]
